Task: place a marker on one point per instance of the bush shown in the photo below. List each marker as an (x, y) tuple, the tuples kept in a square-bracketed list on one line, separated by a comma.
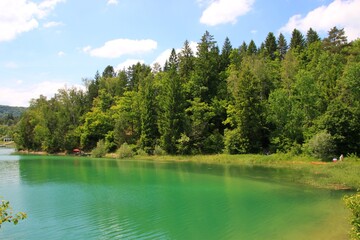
[(125, 151), (214, 143), (159, 151), (184, 145), (353, 203), (100, 149), (234, 143), (321, 146)]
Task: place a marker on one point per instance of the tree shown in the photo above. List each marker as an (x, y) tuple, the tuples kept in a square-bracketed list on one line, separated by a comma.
[(246, 113), (312, 37), (282, 46), (252, 49), (335, 41), (205, 80), (149, 129), (108, 72), (270, 45), (171, 101), (297, 42), (6, 214)]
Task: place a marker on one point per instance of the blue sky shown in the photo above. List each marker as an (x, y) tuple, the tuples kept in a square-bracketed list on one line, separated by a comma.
[(50, 44)]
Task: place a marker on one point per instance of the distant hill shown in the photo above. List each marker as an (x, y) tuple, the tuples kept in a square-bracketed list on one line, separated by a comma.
[(15, 111)]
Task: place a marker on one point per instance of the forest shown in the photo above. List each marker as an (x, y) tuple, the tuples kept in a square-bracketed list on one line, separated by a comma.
[(300, 96)]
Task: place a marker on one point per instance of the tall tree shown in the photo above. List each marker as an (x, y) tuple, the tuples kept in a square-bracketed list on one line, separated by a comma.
[(252, 49), (336, 40), (297, 41), (270, 45), (171, 117), (282, 46), (149, 129), (205, 80), (311, 37)]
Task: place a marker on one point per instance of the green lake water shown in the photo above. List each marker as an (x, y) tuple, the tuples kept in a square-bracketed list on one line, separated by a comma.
[(84, 198)]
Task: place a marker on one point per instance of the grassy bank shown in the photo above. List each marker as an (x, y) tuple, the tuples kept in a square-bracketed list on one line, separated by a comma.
[(305, 170)]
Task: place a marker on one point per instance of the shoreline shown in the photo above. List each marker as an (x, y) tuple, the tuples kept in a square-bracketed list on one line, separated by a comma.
[(306, 170)]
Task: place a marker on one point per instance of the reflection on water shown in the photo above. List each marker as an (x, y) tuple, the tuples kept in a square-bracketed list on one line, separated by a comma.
[(83, 198), (9, 167)]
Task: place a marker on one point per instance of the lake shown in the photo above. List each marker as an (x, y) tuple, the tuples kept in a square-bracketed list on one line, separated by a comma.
[(85, 198)]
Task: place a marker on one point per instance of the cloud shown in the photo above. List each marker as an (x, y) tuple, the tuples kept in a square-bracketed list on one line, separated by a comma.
[(20, 95), (52, 24), (128, 63), (165, 55), (112, 2), (19, 16), (61, 54), (119, 47), (224, 11), (161, 59), (340, 13)]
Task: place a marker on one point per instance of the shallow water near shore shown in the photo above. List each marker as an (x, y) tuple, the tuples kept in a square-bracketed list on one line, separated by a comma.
[(84, 198)]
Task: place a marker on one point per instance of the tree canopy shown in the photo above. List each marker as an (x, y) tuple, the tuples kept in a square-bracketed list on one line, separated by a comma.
[(244, 99)]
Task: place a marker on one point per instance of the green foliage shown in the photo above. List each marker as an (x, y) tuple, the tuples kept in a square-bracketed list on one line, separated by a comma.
[(6, 214), (158, 151), (125, 151), (353, 203), (321, 146), (245, 100), (100, 150)]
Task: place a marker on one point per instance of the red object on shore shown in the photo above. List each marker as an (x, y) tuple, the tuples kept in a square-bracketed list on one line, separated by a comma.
[(76, 150)]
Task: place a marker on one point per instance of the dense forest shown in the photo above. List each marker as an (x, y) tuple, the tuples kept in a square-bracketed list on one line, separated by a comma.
[(9, 116), (295, 96)]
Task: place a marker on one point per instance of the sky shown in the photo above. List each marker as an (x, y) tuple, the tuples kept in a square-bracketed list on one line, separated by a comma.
[(46, 45)]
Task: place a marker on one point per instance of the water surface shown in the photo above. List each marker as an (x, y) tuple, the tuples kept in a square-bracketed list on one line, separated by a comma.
[(84, 198)]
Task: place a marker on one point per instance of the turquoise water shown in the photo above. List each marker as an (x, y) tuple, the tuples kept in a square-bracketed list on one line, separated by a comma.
[(84, 198)]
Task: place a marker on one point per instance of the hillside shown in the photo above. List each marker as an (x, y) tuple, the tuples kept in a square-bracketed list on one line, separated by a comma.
[(15, 111)]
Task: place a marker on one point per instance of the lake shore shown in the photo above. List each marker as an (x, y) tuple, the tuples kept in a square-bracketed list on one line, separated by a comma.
[(306, 170)]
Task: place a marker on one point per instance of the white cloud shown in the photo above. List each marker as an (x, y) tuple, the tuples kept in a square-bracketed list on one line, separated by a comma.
[(52, 24), (224, 11), (61, 54), (127, 63), (119, 47), (340, 13), (18, 16), (161, 59), (20, 95), (112, 2), (165, 55)]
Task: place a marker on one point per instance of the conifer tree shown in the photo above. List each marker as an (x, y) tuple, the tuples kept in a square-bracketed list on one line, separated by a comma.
[(282, 46), (312, 36), (297, 41)]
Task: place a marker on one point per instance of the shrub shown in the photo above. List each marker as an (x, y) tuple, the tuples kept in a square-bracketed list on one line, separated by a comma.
[(353, 203), (321, 146), (214, 143), (184, 144), (158, 151), (100, 149), (234, 143), (125, 151)]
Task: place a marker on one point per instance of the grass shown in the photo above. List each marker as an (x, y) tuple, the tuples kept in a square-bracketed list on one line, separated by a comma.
[(305, 170)]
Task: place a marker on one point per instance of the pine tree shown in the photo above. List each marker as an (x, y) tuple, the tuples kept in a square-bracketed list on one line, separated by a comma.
[(282, 46), (270, 45), (336, 40), (297, 40), (252, 49), (311, 37), (149, 130), (171, 106)]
